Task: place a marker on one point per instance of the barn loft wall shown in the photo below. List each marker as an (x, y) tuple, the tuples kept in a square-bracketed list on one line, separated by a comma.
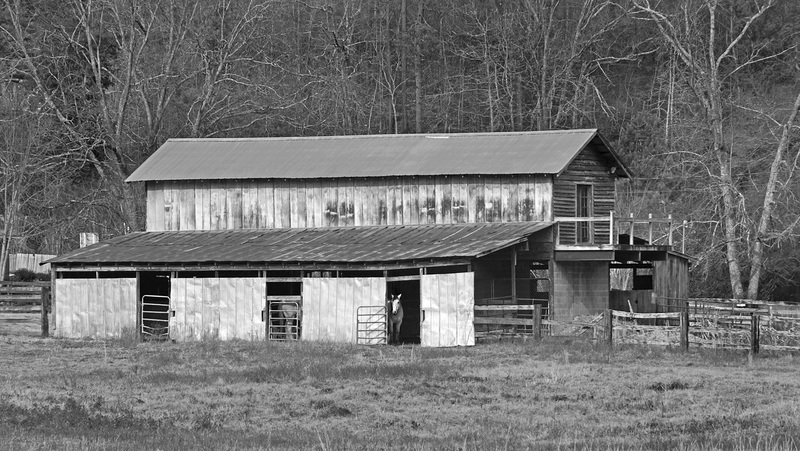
[(265, 204)]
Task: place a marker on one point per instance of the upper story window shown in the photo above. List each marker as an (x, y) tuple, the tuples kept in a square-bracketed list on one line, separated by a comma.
[(583, 209)]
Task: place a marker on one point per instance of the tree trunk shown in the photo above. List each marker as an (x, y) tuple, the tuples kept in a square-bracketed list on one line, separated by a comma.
[(418, 69), (757, 255)]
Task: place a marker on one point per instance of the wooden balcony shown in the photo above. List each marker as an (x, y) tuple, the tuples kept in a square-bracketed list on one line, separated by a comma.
[(618, 239)]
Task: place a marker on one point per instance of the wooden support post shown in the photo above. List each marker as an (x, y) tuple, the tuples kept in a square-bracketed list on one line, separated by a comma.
[(45, 309), (755, 333), (683, 237), (537, 321), (630, 238), (611, 233), (514, 277), (557, 233), (670, 229), (609, 319), (684, 323)]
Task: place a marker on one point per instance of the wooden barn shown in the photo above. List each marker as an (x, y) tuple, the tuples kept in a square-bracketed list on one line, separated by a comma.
[(305, 238)]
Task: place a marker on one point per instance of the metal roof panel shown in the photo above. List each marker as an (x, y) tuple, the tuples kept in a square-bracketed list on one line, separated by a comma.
[(335, 245), (543, 152)]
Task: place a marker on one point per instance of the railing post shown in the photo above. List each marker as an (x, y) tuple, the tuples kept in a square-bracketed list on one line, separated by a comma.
[(45, 310), (684, 323), (611, 233), (630, 238), (609, 319), (650, 228), (670, 229), (537, 321), (755, 333), (683, 237), (557, 237)]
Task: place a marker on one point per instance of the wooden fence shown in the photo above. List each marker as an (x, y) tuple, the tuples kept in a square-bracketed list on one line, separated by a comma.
[(500, 318), (716, 323), (26, 298), (29, 261)]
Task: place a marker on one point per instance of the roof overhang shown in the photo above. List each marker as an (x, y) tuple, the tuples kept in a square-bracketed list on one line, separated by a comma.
[(378, 246)]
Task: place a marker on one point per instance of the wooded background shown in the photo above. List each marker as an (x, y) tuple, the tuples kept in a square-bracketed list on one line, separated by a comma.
[(699, 96)]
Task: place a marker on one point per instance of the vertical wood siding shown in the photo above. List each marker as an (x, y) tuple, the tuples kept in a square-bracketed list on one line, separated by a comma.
[(448, 301), (330, 305), (217, 307), (96, 308), (591, 168), (251, 204), (671, 277)]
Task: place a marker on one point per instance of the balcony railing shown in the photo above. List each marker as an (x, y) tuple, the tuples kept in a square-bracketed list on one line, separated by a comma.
[(607, 230)]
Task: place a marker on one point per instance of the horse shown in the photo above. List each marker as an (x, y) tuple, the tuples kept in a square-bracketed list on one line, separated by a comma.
[(288, 320), (395, 318)]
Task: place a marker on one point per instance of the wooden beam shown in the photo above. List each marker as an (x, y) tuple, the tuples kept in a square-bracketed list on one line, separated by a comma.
[(504, 321), (492, 308), (255, 266), (587, 255)]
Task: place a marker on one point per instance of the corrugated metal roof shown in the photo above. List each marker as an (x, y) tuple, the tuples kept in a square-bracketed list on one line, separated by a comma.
[(334, 245), (546, 152)]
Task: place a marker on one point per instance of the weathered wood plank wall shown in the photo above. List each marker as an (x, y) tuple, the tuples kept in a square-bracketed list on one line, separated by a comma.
[(589, 168), (218, 307), (330, 306), (448, 302), (96, 308), (671, 277), (235, 204)]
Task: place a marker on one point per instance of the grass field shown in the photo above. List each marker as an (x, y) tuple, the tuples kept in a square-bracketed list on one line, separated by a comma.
[(126, 395)]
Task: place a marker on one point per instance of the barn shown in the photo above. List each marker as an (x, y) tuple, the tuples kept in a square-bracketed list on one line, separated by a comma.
[(304, 238)]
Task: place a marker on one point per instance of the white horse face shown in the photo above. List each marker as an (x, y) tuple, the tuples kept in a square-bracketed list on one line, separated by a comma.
[(395, 302)]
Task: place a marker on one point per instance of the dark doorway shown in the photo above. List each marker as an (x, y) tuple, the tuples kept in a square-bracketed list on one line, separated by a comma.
[(154, 292), (284, 311), (410, 290)]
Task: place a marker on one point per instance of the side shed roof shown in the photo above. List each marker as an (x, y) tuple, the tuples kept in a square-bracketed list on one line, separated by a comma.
[(322, 245), (544, 152)]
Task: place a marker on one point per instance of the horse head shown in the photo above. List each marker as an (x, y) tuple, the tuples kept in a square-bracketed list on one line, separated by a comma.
[(395, 303)]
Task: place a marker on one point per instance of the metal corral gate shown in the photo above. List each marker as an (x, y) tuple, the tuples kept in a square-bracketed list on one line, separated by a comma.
[(284, 321), (371, 325), (155, 317)]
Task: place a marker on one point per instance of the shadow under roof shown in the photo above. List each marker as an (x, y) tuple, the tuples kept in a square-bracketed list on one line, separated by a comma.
[(372, 244)]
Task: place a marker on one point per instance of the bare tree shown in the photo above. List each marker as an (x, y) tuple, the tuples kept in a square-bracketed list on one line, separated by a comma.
[(28, 161), (710, 45)]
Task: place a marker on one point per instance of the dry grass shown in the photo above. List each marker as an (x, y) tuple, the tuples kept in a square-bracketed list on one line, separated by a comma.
[(65, 394)]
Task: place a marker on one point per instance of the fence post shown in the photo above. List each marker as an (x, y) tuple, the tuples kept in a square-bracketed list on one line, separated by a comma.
[(685, 327), (537, 321), (45, 310), (755, 333), (609, 317)]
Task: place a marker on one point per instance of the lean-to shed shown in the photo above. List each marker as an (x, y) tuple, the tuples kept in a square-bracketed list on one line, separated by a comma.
[(305, 237)]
